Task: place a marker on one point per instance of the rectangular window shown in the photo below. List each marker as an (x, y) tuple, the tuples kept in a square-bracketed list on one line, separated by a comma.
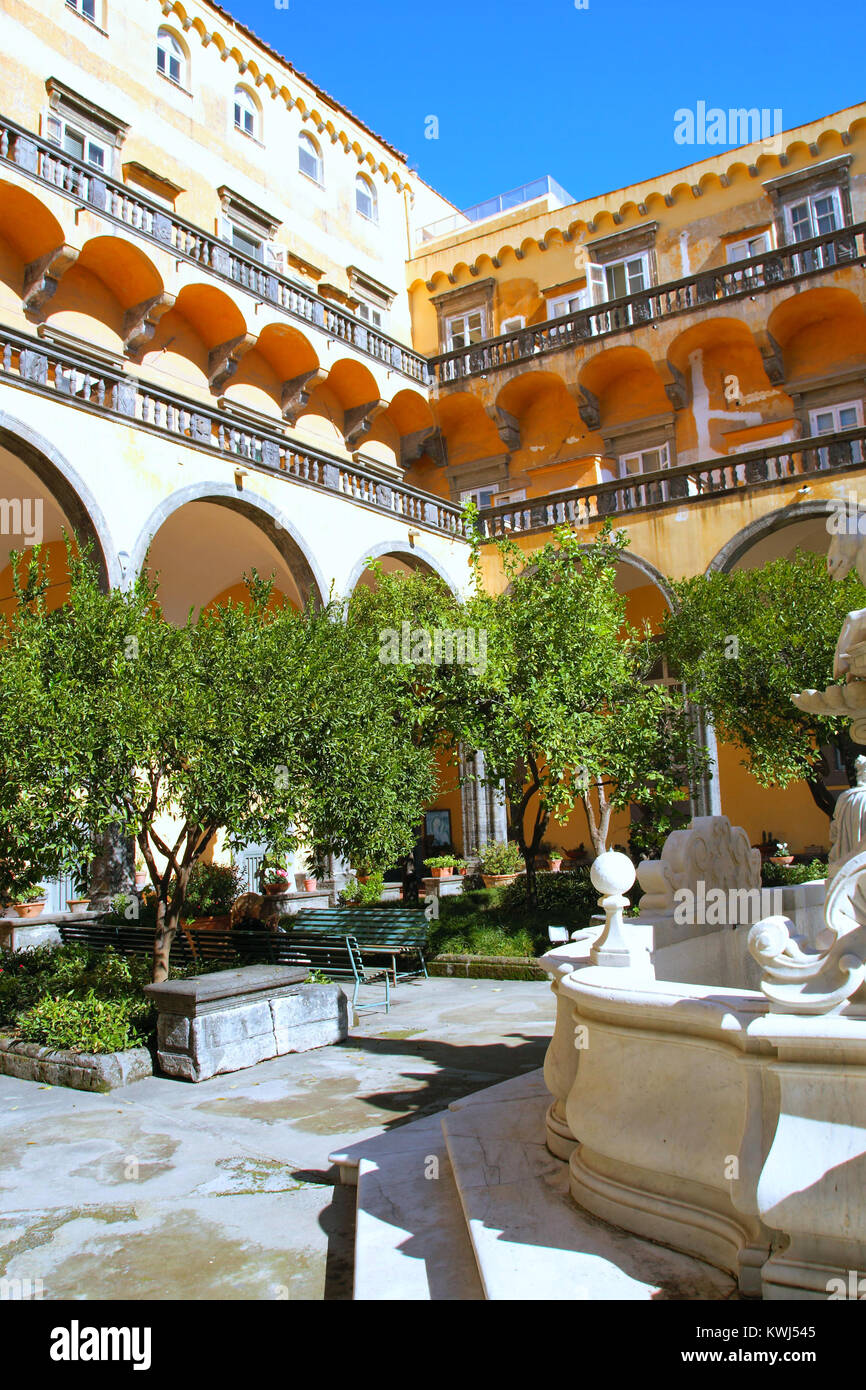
[(85, 7), (461, 330), (748, 247), (76, 143), (645, 461), (489, 497), (247, 244), (565, 304), (512, 325), (832, 419), (626, 277), (817, 215), (370, 314)]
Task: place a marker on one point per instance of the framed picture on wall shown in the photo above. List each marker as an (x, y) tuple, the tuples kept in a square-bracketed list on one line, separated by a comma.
[(437, 829)]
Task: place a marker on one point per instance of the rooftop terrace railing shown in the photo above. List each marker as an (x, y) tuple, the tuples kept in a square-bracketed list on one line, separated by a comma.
[(682, 485), (51, 166), (63, 375), (492, 207), (702, 290)]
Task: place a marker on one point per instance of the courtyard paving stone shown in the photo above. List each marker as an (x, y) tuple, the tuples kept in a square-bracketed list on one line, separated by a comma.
[(169, 1190)]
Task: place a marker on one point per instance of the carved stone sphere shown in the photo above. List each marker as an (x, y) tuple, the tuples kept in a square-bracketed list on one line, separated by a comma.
[(612, 872)]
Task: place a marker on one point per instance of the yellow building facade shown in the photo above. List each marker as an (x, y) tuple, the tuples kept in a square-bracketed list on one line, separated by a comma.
[(238, 330)]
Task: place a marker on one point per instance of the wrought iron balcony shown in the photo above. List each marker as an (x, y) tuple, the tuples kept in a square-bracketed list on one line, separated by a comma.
[(73, 379), (49, 165), (680, 486), (700, 291)]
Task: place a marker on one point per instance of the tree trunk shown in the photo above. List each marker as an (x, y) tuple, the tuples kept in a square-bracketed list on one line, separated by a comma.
[(163, 937), (822, 796)]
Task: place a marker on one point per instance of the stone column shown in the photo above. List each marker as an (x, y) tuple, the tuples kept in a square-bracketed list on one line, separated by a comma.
[(483, 806), (112, 869)]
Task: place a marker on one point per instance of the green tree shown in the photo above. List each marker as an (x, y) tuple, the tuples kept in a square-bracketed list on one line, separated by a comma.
[(563, 712), (251, 719), (745, 642)]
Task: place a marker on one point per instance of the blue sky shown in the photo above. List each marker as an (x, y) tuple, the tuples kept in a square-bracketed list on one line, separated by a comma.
[(523, 89)]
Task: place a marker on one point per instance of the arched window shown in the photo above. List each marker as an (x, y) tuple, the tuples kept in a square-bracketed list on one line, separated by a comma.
[(246, 113), (171, 57), (309, 158), (365, 198)]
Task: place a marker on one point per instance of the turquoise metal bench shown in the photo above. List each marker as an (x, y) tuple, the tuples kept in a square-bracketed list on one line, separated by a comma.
[(400, 933)]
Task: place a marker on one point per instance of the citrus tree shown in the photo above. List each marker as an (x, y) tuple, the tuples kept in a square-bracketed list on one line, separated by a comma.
[(249, 719), (745, 642)]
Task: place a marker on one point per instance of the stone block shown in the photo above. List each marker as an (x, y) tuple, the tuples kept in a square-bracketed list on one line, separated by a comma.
[(26, 154), (231, 1019), (33, 366), (81, 1071)]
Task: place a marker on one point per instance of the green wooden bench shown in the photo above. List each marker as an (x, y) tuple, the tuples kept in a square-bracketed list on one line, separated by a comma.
[(126, 940), (337, 956), (397, 932)]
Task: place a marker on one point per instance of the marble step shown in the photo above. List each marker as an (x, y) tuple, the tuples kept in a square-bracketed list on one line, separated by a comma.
[(529, 1239), (411, 1241)]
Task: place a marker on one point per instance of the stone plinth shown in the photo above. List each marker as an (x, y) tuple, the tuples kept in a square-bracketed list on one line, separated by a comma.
[(231, 1019), (443, 887), (303, 901)]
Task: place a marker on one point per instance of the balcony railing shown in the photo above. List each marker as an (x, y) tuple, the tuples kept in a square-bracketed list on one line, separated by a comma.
[(685, 484), (64, 376), (62, 172), (707, 287)]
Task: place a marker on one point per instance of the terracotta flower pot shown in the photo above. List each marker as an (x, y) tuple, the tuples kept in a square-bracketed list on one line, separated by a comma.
[(29, 909), (310, 885), (782, 859), (211, 923), (140, 880), (273, 889), (363, 878), (555, 866), (498, 880), (77, 904), (444, 871)]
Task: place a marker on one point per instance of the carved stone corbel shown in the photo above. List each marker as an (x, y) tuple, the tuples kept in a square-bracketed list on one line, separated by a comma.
[(675, 386), (507, 425), (429, 440), (140, 324), (771, 353), (223, 361), (297, 391), (41, 278), (358, 421), (589, 409)]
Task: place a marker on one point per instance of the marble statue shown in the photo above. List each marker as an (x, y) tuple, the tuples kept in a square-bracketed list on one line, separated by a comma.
[(848, 829), (847, 552)]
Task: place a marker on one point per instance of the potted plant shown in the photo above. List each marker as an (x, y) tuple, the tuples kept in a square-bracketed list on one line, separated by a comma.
[(30, 900), (781, 856), (211, 890), (358, 893), (81, 887), (315, 869), (443, 865), (275, 880), (500, 864), (556, 859), (141, 874)]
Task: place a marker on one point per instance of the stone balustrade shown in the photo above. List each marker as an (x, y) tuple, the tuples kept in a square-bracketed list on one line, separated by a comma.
[(722, 284), (62, 374)]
